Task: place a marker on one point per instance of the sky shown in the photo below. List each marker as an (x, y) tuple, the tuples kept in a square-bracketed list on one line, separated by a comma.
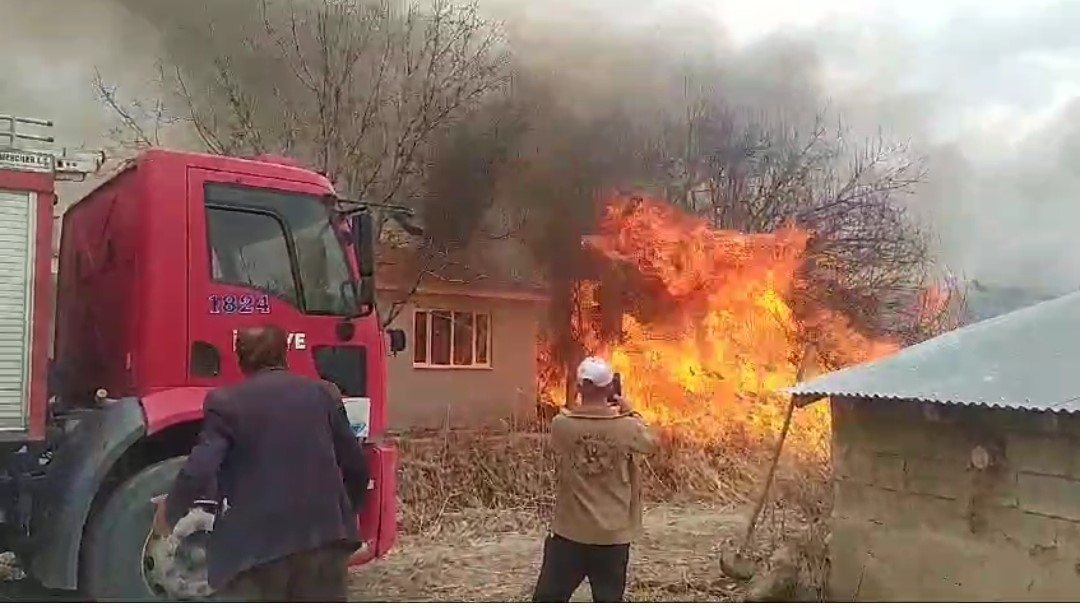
[(989, 90), (987, 63), (998, 84)]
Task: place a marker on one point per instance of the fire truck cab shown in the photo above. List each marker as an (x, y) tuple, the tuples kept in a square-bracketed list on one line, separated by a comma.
[(158, 268)]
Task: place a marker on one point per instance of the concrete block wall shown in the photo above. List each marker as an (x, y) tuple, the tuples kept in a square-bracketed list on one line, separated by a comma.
[(915, 518)]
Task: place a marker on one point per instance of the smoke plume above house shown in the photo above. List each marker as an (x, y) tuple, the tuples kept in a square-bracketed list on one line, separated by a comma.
[(989, 97)]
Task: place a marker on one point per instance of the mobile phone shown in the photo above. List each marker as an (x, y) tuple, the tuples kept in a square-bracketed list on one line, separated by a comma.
[(616, 386)]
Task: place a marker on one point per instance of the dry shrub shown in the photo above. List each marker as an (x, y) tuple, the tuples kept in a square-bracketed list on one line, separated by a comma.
[(804, 496), (504, 480), (687, 468), (813, 562), (442, 477)]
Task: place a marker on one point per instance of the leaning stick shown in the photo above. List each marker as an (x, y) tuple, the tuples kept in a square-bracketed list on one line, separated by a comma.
[(776, 456)]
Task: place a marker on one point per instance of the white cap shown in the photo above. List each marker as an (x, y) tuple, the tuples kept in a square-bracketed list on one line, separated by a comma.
[(595, 370)]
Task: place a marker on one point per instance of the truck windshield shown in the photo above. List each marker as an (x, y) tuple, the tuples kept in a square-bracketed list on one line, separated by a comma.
[(279, 242)]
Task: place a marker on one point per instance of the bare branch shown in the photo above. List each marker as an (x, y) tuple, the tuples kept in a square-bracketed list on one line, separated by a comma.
[(360, 90), (869, 258), (205, 132), (427, 264), (140, 121)]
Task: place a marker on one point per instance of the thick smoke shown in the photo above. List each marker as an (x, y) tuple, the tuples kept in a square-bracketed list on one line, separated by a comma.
[(51, 49), (991, 96), (1000, 195)]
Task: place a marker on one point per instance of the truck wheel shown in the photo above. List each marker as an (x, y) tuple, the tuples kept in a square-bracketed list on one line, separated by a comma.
[(123, 560)]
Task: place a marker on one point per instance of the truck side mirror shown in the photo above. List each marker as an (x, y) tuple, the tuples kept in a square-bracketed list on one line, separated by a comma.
[(407, 225), (363, 234), (397, 340)]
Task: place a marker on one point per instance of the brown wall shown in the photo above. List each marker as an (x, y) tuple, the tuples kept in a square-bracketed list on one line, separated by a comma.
[(433, 398), (914, 520)]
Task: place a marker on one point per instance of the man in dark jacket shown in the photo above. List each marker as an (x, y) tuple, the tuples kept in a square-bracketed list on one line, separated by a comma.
[(290, 474)]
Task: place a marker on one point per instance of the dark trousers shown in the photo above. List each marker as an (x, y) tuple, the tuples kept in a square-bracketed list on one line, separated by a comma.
[(567, 564), (318, 575)]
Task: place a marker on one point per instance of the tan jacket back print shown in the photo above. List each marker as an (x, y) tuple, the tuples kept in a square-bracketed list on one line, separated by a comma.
[(598, 500)]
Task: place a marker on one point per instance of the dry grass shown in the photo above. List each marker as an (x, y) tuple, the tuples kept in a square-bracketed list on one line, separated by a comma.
[(445, 476), (473, 506), (674, 560)]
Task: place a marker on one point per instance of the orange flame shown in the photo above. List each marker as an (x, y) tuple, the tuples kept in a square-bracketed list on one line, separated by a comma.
[(709, 338), (940, 307)]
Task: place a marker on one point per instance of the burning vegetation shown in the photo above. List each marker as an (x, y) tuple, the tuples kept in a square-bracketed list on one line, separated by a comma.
[(781, 241), (702, 324)]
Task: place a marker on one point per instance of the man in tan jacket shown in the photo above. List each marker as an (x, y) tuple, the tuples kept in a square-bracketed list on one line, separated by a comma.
[(598, 499)]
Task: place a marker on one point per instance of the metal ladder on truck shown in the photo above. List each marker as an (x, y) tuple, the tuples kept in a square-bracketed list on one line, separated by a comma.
[(64, 166)]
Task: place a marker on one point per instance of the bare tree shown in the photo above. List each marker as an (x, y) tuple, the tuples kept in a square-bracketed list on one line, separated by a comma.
[(355, 88), (140, 123), (367, 92), (867, 256)]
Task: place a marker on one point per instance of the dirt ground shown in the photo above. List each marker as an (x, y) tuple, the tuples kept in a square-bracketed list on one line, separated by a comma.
[(485, 556), (677, 560)]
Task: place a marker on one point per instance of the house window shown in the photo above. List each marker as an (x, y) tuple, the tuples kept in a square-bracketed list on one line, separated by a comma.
[(451, 339)]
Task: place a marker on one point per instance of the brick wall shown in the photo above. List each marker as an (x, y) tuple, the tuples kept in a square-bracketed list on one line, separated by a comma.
[(916, 520)]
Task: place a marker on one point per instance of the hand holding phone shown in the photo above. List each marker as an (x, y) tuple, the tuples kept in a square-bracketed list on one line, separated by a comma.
[(616, 399), (616, 388)]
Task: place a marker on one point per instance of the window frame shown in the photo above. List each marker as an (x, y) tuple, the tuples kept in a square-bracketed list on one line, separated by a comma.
[(293, 270), (301, 304), (427, 364)]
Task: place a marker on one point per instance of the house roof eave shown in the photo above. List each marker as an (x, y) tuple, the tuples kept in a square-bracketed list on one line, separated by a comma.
[(520, 295)]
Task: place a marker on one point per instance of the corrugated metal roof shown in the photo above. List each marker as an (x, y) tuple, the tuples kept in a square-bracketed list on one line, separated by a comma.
[(1028, 359)]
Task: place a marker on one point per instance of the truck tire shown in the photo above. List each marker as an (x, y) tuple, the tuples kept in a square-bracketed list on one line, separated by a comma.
[(116, 542)]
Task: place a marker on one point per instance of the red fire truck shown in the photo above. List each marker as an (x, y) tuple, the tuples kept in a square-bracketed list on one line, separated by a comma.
[(158, 268)]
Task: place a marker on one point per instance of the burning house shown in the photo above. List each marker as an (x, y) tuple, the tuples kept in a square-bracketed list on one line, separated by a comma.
[(956, 464)]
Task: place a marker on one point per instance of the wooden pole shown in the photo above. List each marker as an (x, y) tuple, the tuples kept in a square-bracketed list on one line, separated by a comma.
[(760, 505)]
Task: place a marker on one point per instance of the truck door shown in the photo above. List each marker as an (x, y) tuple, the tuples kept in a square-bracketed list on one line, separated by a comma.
[(262, 250)]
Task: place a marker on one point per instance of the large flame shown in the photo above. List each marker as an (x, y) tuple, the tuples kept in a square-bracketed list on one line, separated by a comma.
[(708, 337)]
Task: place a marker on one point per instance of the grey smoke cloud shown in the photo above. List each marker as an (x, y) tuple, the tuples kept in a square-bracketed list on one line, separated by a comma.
[(990, 100), (998, 103), (50, 49)]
